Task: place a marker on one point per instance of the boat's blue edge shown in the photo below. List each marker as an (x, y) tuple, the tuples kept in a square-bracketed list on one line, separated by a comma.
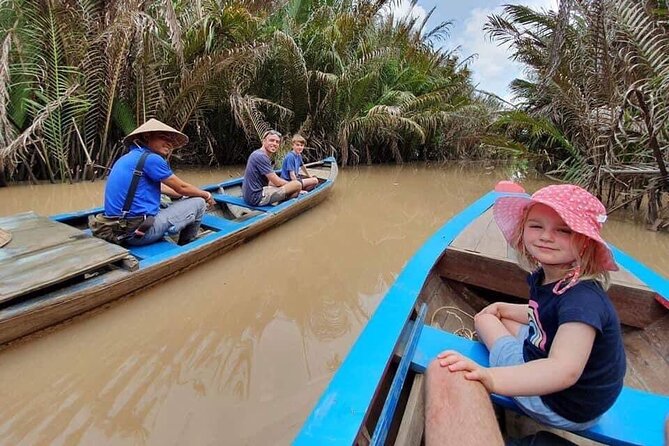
[(654, 281), (341, 410), (162, 251), (343, 406)]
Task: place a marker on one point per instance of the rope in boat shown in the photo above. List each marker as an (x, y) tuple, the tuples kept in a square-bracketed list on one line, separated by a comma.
[(463, 331)]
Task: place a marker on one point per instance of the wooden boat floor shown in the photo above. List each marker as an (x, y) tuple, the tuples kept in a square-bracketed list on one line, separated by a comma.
[(43, 252)]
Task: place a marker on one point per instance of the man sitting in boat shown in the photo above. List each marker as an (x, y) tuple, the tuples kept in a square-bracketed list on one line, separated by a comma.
[(293, 163), (261, 186), (182, 217)]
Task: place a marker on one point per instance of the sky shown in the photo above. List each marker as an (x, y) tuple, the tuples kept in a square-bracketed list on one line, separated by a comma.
[(492, 69)]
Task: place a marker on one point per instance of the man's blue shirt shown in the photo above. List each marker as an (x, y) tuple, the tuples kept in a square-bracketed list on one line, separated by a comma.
[(147, 196), (292, 162)]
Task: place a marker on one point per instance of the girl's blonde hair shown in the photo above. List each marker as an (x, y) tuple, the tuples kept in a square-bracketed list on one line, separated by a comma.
[(585, 250)]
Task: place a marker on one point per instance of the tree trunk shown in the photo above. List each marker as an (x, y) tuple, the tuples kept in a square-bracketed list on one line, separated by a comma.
[(652, 140)]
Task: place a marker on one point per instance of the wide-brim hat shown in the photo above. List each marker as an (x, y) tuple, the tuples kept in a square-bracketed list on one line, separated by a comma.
[(153, 125), (578, 208)]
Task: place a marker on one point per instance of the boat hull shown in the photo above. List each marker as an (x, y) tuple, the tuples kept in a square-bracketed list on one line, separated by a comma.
[(354, 403), (41, 311)]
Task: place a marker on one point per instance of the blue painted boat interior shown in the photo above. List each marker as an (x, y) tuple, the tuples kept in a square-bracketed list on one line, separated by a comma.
[(636, 418), (218, 226)]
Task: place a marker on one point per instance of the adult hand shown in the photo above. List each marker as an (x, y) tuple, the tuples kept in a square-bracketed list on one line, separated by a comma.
[(210, 200), (455, 362)]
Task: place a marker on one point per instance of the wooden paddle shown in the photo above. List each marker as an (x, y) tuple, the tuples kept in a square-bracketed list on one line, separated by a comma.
[(5, 237)]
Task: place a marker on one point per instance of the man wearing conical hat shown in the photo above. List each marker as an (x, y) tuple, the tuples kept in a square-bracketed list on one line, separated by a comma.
[(183, 216)]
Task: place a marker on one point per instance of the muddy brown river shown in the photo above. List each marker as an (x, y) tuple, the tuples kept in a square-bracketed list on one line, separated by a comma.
[(237, 350)]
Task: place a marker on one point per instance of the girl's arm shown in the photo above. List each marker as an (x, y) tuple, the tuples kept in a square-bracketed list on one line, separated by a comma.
[(563, 367), (514, 312)]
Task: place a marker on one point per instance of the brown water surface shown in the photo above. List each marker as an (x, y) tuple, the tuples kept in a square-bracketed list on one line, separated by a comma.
[(236, 351)]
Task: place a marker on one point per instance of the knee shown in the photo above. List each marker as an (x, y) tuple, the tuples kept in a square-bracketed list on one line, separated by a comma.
[(201, 203), (435, 372), (480, 319), (294, 186), (433, 367)]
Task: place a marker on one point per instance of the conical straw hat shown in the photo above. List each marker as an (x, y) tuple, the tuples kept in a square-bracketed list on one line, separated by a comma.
[(5, 237), (153, 125)]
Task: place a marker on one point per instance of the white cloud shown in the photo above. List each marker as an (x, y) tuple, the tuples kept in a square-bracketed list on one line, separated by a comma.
[(492, 69), (400, 10)]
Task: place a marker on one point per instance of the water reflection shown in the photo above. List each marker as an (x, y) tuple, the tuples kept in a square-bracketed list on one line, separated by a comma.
[(237, 350)]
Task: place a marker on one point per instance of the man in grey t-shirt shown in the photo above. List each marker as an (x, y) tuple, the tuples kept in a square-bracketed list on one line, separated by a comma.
[(261, 186)]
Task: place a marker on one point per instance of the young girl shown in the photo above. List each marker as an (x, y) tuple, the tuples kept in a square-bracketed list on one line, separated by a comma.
[(561, 357)]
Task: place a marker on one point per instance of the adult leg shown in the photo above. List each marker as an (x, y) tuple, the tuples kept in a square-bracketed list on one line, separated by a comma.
[(193, 210), (292, 188), (458, 411), (182, 216)]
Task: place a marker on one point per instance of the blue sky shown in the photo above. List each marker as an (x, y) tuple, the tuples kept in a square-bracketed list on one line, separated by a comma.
[(491, 68)]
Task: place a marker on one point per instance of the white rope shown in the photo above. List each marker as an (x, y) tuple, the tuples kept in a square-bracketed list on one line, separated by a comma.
[(463, 331)]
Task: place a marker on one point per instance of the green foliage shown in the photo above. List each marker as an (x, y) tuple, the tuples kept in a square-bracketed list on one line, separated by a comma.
[(598, 92), (357, 81)]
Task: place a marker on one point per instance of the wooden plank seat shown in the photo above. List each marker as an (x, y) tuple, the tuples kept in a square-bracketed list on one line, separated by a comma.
[(153, 249), (238, 201), (220, 224), (636, 418), (165, 245), (58, 251)]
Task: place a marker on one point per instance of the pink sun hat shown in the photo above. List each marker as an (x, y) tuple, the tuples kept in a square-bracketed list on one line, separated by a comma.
[(579, 209)]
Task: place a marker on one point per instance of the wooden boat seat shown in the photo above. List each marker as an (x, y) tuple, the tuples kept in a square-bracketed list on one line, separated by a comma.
[(58, 251), (238, 201), (220, 224), (636, 418), (152, 249)]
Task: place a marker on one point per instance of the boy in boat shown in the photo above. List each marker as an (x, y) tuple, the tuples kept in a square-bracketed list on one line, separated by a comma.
[(293, 163), (261, 186), (153, 141)]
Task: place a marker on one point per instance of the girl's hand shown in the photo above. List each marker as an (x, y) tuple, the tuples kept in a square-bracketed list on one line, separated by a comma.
[(455, 362), (493, 309)]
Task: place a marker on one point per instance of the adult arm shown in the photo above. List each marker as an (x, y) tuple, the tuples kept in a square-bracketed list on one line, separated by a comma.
[(185, 189), (165, 189), (561, 369), (275, 180)]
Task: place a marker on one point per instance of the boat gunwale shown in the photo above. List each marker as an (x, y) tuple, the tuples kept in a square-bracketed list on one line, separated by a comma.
[(341, 411), (343, 407)]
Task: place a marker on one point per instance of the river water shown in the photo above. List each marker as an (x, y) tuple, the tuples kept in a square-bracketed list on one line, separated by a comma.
[(237, 350)]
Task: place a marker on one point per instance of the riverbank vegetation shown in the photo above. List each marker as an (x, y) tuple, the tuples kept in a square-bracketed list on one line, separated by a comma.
[(360, 83), (596, 108)]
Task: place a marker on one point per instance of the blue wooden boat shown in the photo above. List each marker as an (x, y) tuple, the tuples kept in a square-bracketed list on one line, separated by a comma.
[(52, 268), (376, 396)]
